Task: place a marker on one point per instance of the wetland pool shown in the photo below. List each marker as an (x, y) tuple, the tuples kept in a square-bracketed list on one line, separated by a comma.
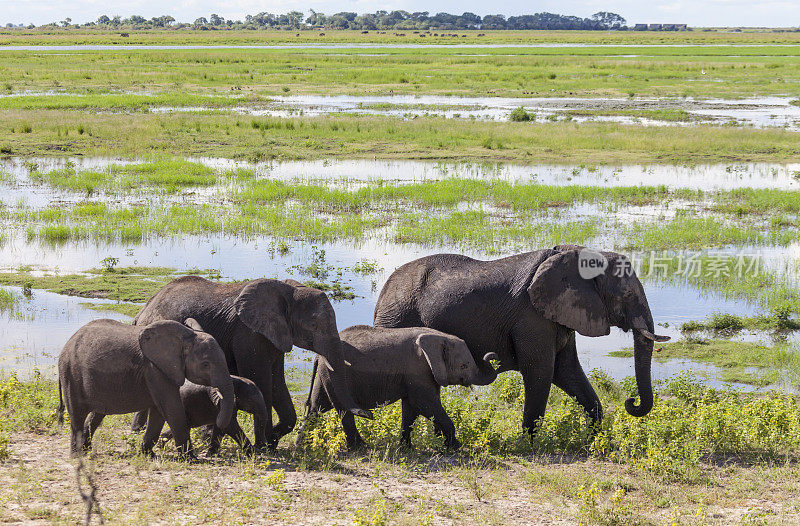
[(17, 188), (32, 334), (758, 112)]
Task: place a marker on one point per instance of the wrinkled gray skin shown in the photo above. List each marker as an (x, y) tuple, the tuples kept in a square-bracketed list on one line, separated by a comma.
[(526, 308), (386, 365), (110, 368), (202, 405), (256, 323)]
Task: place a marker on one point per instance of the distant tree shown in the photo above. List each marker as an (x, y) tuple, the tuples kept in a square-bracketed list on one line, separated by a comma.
[(316, 19), (216, 20), (66, 22), (609, 20), (493, 22), (469, 21), (103, 20), (200, 22)]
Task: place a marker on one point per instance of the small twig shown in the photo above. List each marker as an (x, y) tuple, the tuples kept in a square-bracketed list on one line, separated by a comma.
[(92, 504)]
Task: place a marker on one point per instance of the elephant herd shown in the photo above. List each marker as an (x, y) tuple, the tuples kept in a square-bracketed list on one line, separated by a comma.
[(199, 351)]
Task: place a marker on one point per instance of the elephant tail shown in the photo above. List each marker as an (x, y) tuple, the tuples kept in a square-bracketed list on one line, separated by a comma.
[(60, 409), (311, 384)]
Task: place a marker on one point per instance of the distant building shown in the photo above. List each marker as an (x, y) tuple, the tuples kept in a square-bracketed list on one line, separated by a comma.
[(660, 27)]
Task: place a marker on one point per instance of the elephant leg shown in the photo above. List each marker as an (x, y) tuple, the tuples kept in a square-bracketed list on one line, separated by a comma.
[(430, 406), (261, 374), (139, 421), (410, 415), (320, 403), (215, 441), (168, 403), (354, 440), (92, 423), (569, 376), (155, 423), (536, 360), (282, 402), (77, 418), (238, 435)]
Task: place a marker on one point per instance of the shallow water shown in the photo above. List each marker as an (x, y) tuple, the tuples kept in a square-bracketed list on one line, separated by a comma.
[(46, 322), (20, 190), (757, 112)]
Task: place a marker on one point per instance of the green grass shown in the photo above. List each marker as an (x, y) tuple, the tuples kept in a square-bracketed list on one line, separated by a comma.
[(179, 75), (691, 232), (166, 175), (669, 115), (736, 276), (358, 137), (124, 284), (741, 362), (126, 309), (116, 101), (477, 228), (8, 301), (700, 451), (500, 215), (726, 323)]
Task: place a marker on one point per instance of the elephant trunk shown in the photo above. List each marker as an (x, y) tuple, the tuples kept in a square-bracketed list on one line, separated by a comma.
[(642, 356), (228, 403), (486, 373), (334, 359)]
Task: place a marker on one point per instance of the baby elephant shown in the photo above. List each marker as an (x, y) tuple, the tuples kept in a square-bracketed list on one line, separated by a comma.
[(408, 364), (109, 368), (202, 405)]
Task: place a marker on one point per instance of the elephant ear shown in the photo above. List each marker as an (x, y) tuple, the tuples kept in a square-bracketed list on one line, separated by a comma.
[(163, 343), (559, 293), (263, 306), (433, 347)]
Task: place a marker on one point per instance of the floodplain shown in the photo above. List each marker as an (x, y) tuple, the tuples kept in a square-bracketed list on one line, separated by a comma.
[(124, 168)]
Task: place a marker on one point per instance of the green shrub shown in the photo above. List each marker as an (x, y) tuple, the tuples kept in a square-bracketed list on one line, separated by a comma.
[(520, 115)]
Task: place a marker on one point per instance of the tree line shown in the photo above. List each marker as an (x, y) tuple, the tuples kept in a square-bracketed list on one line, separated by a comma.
[(380, 20)]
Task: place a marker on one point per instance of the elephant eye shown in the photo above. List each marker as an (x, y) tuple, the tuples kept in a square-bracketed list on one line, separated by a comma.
[(206, 365), (464, 366)]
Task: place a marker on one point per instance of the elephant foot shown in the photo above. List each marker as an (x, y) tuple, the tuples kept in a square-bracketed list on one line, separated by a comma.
[(355, 445), (263, 448), (188, 456), (453, 444)]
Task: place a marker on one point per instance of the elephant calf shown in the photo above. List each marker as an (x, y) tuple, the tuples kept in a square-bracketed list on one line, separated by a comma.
[(202, 405), (386, 365), (110, 368)]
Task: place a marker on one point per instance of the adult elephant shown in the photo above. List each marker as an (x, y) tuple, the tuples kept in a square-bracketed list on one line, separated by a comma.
[(256, 323), (526, 308)]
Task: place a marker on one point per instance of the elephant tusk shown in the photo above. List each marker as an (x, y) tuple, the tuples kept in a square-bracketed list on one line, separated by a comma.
[(654, 337)]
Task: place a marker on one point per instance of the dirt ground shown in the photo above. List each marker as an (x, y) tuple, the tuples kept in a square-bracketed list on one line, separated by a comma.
[(39, 487)]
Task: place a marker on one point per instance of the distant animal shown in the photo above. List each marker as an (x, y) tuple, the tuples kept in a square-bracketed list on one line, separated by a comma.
[(527, 308), (386, 365), (110, 368), (202, 406)]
